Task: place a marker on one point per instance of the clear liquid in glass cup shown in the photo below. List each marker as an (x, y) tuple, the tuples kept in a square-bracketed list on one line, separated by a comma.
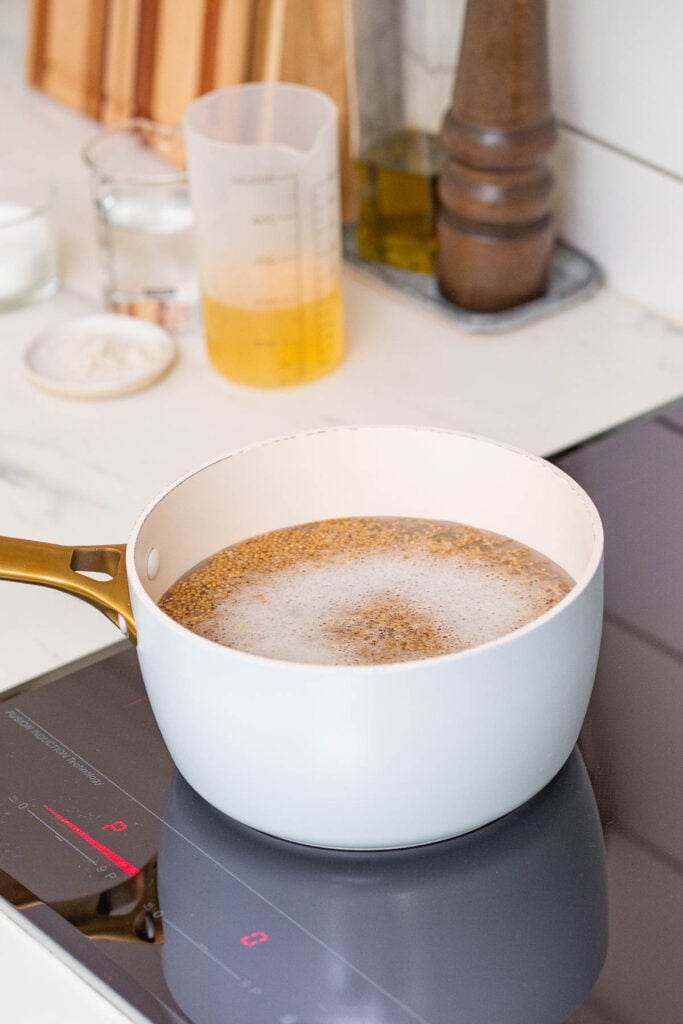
[(144, 222)]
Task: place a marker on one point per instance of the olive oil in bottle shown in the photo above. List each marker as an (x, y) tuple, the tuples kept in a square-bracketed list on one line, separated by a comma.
[(397, 199)]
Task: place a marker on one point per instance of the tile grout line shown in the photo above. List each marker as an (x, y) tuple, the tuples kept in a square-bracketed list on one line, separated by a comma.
[(620, 151)]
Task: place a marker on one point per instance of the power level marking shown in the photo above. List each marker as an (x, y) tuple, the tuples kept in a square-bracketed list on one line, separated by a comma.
[(113, 857)]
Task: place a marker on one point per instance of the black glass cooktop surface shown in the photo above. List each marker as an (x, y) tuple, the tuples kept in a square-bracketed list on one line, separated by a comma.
[(568, 909)]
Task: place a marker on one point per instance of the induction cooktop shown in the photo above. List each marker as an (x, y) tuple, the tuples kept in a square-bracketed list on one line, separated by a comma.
[(567, 909)]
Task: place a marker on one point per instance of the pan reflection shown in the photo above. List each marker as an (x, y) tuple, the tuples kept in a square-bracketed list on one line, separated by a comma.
[(508, 924)]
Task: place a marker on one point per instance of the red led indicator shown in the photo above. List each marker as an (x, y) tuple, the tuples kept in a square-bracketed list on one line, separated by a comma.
[(253, 938), (109, 854)]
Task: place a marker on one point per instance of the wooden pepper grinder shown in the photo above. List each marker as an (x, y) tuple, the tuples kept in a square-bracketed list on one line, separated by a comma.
[(495, 228)]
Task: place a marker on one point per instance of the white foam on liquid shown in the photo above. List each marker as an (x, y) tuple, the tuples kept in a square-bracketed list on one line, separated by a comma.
[(287, 613)]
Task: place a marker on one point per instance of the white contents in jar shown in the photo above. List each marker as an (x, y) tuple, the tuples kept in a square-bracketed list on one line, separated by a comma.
[(27, 258)]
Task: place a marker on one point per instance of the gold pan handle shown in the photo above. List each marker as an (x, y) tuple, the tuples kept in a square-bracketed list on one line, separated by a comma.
[(64, 568)]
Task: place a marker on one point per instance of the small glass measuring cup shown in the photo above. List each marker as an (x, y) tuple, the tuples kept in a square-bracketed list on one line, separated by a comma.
[(264, 183), (144, 221)]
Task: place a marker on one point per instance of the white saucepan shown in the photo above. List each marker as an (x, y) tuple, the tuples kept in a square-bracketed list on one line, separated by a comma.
[(360, 757)]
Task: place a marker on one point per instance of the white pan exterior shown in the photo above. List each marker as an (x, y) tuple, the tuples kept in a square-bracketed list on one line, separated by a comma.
[(383, 756)]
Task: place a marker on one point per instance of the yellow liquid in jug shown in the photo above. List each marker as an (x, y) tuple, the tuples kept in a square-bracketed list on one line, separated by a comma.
[(275, 347)]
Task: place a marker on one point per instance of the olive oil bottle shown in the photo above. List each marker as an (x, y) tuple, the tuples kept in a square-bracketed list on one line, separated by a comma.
[(397, 199)]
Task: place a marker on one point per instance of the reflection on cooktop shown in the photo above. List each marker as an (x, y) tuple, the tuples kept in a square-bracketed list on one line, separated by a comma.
[(507, 924)]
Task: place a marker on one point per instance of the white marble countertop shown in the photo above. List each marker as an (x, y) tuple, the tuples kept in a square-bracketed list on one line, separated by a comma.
[(81, 471)]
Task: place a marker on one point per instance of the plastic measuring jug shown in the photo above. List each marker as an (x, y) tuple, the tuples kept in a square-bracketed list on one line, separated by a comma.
[(264, 183)]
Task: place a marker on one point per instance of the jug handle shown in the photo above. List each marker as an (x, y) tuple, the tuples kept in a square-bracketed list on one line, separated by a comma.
[(64, 567)]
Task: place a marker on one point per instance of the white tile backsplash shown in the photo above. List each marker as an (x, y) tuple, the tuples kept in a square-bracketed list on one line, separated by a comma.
[(628, 216), (618, 91), (617, 74)]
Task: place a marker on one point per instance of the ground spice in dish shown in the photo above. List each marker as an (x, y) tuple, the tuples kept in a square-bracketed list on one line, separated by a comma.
[(367, 590)]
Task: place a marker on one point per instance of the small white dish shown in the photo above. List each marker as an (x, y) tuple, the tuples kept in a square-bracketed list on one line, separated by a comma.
[(99, 356)]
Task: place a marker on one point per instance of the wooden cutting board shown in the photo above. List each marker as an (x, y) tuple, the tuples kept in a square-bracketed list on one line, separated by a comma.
[(66, 42), (113, 59)]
